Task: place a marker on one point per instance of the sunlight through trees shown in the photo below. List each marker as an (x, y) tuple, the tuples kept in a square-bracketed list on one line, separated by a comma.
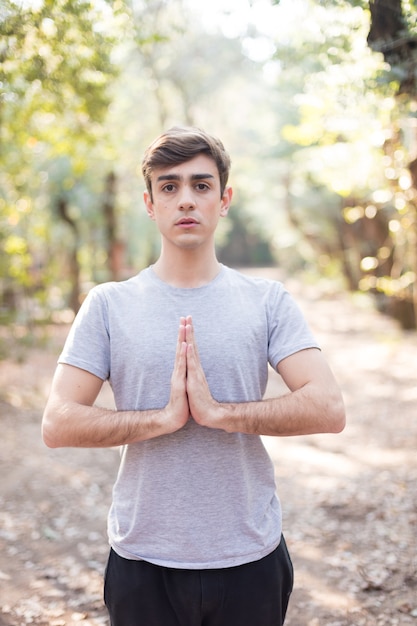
[(315, 99)]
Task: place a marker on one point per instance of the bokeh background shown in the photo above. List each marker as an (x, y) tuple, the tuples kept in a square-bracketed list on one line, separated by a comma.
[(314, 99)]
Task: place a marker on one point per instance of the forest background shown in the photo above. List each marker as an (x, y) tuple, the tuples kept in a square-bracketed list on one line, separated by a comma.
[(314, 99)]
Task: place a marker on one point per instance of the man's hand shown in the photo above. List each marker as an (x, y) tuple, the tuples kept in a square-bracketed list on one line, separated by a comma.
[(177, 409), (313, 405), (203, 408), (71, 418)]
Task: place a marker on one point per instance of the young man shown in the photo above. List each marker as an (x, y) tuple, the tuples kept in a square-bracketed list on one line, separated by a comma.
[(195, 523)]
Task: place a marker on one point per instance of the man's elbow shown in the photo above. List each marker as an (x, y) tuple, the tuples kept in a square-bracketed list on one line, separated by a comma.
[(49, 437), (337, 415), (49, 431)]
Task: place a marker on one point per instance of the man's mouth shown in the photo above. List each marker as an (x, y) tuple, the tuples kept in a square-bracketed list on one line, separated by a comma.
[(186, 221)]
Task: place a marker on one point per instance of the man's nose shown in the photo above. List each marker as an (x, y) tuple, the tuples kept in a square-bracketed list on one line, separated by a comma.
[(186, 199)]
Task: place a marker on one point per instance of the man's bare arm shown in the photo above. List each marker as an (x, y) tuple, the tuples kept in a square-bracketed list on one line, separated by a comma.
[(313, 404), (71, 420)]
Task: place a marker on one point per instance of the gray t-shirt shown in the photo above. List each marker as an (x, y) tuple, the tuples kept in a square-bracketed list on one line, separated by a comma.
[(198, 498)]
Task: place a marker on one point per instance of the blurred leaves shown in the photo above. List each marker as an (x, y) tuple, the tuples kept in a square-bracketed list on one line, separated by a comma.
[(354, 136), (320, 127), (54, 75)]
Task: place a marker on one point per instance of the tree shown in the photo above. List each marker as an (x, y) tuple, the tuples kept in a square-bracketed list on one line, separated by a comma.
[(355, 137), (54, 77), (393, 33)]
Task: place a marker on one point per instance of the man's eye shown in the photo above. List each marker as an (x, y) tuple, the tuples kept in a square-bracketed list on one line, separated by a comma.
[(169, 187), (202, 186)]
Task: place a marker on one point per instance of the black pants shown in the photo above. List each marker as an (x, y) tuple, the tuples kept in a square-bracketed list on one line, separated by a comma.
[(138, 593)]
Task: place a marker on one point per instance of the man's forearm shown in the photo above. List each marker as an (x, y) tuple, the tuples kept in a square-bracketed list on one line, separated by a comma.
[(72, 420), (76, 425), (302, 412)]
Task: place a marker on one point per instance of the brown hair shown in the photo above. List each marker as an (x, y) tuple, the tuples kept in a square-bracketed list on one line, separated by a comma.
[(180, 144)]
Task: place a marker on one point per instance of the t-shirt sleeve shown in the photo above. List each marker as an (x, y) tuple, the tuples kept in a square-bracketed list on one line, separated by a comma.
[(88, 343), (288, 329)]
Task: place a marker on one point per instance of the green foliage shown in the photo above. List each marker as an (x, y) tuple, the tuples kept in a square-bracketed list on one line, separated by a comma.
[(315, 130), (54, 74), (54, 63), (351, 147)]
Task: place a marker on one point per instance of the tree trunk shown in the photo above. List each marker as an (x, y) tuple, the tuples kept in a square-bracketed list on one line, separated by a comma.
[(389, 34), (74, 267), (115, 248)]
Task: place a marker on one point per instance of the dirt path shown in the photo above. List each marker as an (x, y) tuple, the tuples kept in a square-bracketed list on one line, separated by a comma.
[(350, 500)]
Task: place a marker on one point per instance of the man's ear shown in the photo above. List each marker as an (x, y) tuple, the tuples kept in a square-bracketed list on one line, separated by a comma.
[(226, 201), (148, 204)]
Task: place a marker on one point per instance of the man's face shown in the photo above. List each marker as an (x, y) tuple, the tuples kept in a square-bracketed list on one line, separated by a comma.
[(186, 201)]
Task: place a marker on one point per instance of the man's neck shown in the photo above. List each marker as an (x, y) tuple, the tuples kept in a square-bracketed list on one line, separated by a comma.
[(187, 270)]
